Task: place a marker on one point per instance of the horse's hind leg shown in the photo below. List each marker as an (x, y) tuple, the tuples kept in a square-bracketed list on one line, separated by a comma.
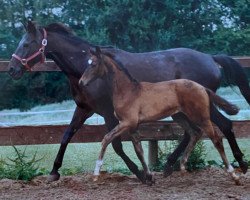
[(225, 125), (195, 134), (80, 115), (140, 154), (217, 141), (173, 157), (111, 122), (194, 137)]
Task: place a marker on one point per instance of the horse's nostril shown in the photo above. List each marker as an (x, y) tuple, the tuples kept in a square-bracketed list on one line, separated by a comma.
[(11, 70)]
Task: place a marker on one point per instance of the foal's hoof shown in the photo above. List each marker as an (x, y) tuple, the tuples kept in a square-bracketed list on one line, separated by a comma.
[(168, 170), (53, 177), (243, 166), (95, 178)]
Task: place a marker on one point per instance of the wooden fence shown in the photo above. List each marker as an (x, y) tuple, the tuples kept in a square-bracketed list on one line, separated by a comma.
[(52, 134)]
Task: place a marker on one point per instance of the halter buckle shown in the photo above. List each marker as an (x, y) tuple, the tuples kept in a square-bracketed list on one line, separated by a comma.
[(24, 62), (44, 42)]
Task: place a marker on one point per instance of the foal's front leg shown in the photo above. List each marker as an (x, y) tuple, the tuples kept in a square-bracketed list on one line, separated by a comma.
[(116, 132)]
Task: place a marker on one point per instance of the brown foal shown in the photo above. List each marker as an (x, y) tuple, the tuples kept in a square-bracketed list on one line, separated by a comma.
[(137, 102)]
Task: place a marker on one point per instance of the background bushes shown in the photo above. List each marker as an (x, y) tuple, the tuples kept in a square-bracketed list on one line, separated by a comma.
[(212, 26)]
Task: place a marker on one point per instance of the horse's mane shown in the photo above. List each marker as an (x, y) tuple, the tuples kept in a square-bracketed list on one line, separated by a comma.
[(120, 66), (59, 27), (68, 32)]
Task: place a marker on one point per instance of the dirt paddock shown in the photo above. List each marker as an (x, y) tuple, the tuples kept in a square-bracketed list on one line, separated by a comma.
[(211, 183)]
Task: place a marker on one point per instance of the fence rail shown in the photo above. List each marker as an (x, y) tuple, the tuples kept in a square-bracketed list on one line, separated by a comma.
[(52, 134)]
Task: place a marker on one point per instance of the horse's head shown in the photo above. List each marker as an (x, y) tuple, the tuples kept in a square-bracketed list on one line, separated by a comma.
[(29, 51), (96, 68)]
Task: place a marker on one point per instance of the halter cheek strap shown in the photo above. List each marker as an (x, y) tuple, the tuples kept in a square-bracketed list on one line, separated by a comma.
[(25, 61)]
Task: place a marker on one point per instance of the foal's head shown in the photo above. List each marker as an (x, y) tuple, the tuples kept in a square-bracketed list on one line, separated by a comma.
[(96, 67)]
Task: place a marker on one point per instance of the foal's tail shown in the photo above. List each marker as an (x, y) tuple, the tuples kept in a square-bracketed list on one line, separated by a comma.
[(234, 74), (223, 104)]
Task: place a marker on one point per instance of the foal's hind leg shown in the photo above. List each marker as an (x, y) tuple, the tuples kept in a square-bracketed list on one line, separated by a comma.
[(148, 179), (217, 141)]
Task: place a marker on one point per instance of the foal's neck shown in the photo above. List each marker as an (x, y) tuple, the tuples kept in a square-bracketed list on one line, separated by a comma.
[(122, 82)]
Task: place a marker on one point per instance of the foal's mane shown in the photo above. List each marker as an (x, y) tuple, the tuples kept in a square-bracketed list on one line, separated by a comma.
[(120, 66)]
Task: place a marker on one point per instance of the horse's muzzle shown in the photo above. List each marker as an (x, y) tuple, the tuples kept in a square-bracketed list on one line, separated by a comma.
[(15, 73)]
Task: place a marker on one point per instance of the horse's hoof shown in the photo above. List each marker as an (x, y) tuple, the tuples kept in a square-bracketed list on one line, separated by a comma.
[(168, 170), (243, 166), (53, 177), (150, 180), (141, 176)]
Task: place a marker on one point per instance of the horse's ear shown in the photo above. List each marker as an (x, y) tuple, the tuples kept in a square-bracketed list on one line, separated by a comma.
[(24, 25), (31, 27)]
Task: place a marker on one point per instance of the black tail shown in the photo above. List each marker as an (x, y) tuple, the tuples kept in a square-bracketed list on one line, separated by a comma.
[(223, 104), (234, 74)]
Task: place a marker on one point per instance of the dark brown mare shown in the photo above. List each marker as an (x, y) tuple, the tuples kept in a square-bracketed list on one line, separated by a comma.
[(70, 53), (137, 102)]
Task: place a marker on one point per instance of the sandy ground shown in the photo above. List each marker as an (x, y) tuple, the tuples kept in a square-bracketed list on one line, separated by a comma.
[(211, 183)]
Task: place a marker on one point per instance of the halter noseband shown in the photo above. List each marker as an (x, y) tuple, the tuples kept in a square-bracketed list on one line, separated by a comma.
[(25, 61)]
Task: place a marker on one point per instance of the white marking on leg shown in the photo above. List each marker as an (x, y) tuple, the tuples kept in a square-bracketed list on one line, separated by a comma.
[(98, 166), (230, 169), (234, 176)]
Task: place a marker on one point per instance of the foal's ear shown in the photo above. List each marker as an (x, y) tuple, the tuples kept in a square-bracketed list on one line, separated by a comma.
[(98, 51), (31, 27), (92, 51)]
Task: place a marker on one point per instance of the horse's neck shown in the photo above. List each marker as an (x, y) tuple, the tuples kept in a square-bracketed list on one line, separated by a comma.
[(69, 58), (121, 84)]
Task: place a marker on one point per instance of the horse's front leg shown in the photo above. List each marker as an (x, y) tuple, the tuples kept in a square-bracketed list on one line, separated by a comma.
[(79, 117), (111, 122)]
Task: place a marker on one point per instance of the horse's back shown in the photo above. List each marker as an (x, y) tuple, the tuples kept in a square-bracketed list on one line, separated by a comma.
[(171, 64)]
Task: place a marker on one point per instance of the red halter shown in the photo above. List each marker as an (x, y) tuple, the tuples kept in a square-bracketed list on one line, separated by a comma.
[(25, 61)]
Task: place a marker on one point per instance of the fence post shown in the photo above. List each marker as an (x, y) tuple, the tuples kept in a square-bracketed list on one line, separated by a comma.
[(152, 152)]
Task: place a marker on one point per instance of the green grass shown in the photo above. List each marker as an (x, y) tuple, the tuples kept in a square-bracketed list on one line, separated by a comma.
[(82, 157)]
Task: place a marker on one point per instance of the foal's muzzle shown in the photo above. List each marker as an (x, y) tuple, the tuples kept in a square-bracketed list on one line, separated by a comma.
[(83, 82)]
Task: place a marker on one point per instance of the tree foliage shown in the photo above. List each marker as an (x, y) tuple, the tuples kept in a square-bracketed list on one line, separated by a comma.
[(212, 26)]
